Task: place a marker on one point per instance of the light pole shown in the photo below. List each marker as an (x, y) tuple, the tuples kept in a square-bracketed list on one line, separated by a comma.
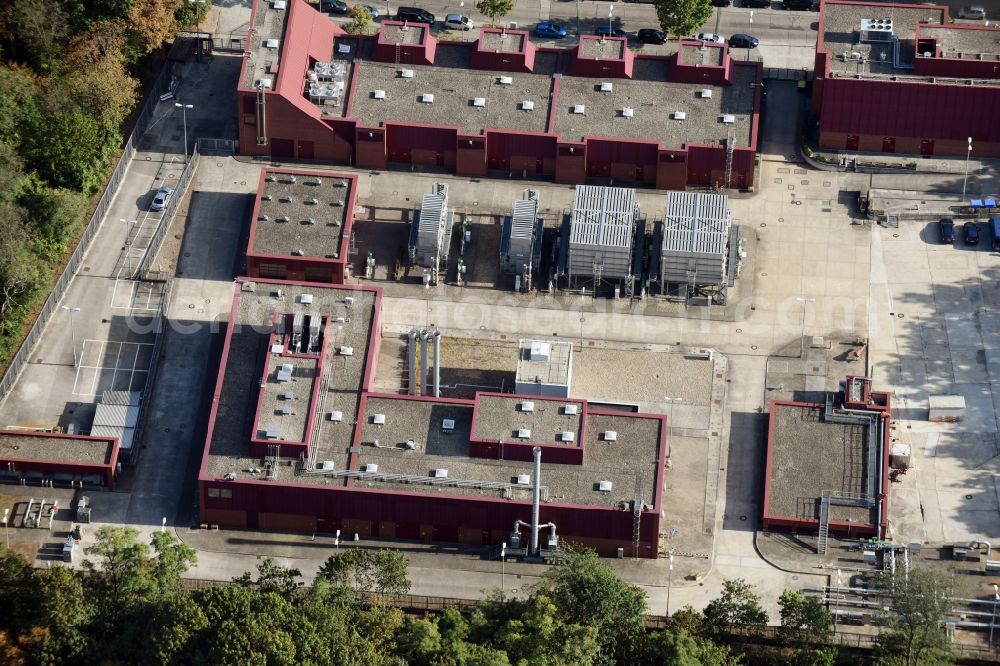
[(336, 541), (163, 525), (802, 330), (184, 108), (837, 600), (611, 11), (965, 180), (670, 576), (670, 421), (6, 532), (197, 11), (128, 252), (750, 35), (993, 620), (503, 565), (72, 330), (581, 334)]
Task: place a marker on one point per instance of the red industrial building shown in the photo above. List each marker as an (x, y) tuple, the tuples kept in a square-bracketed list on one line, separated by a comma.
[(828, 464), (301, 226), (298, 440), (72, 459), (898, 78), (497, 105)]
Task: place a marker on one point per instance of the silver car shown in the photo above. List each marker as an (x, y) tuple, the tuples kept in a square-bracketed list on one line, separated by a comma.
[(977, 12), (161, 198)]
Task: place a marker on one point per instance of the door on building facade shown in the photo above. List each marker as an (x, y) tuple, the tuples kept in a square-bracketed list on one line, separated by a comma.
[(926, 147), (853, 141), (889, 144), (282, 148), (306, 150)]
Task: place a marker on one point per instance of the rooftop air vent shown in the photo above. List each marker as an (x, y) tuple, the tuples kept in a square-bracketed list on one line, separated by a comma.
[(567, 436), (728, 119), (628, 112), (348, 300), (607, 86), (267, 197), (336, 416), (379, 94), (570, 410), (447, 425), (527, 406), (265, 83), (317, 181), (285, 372), (263, 218), (409, 445), (479, 102), (610, 435), (680, 115), (505, 80), (527, 105), (288, 198), (306, 299), (579, 109), (271, 178), (705, 93), (427, 98), (605, 486), (440, 473), (280, 4), (347, 351), (371, 468), (287, 410), (310, 221), (524, 433), (378, 419), (283, 218), (271, 43), (406, 73), (273, 434), (344, 48), (328, 466), (523, 479)]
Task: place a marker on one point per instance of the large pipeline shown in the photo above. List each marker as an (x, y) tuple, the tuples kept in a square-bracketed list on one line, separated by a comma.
[(437, 364), (412, 347), (425, 389), (536, 499)]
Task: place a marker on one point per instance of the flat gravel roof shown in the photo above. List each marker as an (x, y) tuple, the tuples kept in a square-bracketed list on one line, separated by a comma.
[(613, 49), (696, 54), (500, 418), (18, 446), (294, 394), (412, 33), (505, 43), (810, 456), (316, 215), (841, 34), (965, 43)]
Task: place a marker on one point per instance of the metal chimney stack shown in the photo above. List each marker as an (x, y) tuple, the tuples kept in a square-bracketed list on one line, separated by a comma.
[(425, 388), (536, 495), (412, 340), (437, 364)]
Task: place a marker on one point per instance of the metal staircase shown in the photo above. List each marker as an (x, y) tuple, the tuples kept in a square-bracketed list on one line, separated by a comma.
[(824, 523), (729, 158), (637, 506)]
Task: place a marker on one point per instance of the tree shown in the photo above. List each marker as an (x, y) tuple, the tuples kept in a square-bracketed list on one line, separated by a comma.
[(18, 600), (679, 648), (274, 578), (66, 611), (121, 579), (244, 626), (494, 8), (689, 620), (534, 631), (361, 20), (919, 603), (587, 592), (190, 14), (367, 572), (739, 606), (682, 17), (173, 558), (804, 620)]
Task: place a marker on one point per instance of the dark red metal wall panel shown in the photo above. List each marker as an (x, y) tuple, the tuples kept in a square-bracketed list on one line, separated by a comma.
[(571, 163), (369, 148), (421, 144), (470, 156), (622, 160), (515, 151)]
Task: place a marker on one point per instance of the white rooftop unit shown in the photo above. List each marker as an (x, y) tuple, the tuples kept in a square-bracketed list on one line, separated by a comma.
[(427, 98), (567, 436), (523, 479), (379, 94), (520, 246), (680, 115), (705, 93), (285, 372), (580, 109), (447, 425), (696, 230), (527, 406), (610, 436), (336, 416), (440, 473), (479, 102), (371, 467), (505, 80), (527, 105), (378, 419), (602, 230), (727, 118), (406, 73), (605, 486), (876, 30), (430, 236), (570, 410), (607, 86), (540, 351), (524, 433), (628, 112)]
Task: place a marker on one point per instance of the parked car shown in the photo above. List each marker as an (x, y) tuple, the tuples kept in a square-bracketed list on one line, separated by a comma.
[(414, 15), (372, 10), (605, 31), (797, 5), (756, 4), (977, 12), (946, 227), (709, 37), (651, 36), (722, 3), (333, 6), (161, 198), (741, 41), (970, 232), (458, 22), (550, 30)]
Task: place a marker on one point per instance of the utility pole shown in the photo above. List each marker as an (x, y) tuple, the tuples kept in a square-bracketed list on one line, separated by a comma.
[(965, 180), (184, 109), (670, 422), (670, 576), (802, 331), (72, 331)]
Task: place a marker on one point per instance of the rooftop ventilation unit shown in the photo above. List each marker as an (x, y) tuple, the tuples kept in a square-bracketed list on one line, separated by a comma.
[(285, 372), (605, 486), (317, 181), (287, 411), (607, 86), (567, 436), (265, 83), (378, 419), (628, 112), (447, 425), (579, 109), (705, 93), (379, 94), (440, 473), (479, 102), (278, 349), (347, 351), (348, 300), (344, 48), (570, 410), (310, 221), (527, 406), (267, 197), (271, 43), (263, 218), (524, 433), (728, 119), (328, 466), (540, 351), (680, 115), (505, 80), (299, 253), (280, 4), (371, 468), (289, 395), (406, 73), (336, 416), (273, 434), (292, 179), (288, 198), (876, 30), (523, 479), (409, 445), (271, 178), (610, 435), (427, 98), (283, 218), (306, 299), (527, 105)]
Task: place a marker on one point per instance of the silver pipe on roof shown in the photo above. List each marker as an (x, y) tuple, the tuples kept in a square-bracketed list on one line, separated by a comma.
[(412, 347), (536, 499), (425, 389), (437, 364)]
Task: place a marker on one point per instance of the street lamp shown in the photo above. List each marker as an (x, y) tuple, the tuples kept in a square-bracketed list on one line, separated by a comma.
[(611, 11), (184, 108), (72, 330), (336, 541), (965, 180), (503, 565), (751, 34), (128, 252), (993, 620), (6, 532), (670, 421), (802, 331), (670, 576)]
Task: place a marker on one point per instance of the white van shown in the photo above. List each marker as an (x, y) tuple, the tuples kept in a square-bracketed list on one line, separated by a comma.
[(458, 22)]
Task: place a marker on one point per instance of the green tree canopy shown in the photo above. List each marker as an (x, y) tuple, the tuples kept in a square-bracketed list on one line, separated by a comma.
[(494, 8), (367, 572), (919, 603), (738, 606), (682, 18)]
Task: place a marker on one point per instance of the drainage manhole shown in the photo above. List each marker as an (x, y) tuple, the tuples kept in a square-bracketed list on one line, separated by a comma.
[(753, 347), (781, 219), (190, 306), (763, 224)]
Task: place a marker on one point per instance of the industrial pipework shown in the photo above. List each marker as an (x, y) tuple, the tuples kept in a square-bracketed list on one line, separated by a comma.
[(412, 342), (536, 495), (437, 364), (425, 388)]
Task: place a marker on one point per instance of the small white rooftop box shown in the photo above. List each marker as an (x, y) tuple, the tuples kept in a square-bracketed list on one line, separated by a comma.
[(347, 351), (527, 406), (371, 467), (427, 98), (605, 486), (540, 351), (447, 425), (505, 80), (264, 83), (479, 102), (705, 93), (285, 372), (524, 433), (440, 473), (527, 105), (348, 300), (273, 434), (579, 108), (680, 115), (328, 466), (406, 73), (306, 299), (378, 419), (336, 416), (343, 48), (610, 435), (523, 479), (271, 43), (567, 436), (570, 410), (280, 4), (628, 112), (379, 94), (607, 86), (728, 119), (278, 349)]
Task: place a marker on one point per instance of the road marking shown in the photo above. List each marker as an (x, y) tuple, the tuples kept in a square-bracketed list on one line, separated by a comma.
[(96, 374), (136, 295)]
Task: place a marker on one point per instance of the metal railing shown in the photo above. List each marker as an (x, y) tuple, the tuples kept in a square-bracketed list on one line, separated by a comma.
[(51, 304), (168, 214), (154, 364)]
